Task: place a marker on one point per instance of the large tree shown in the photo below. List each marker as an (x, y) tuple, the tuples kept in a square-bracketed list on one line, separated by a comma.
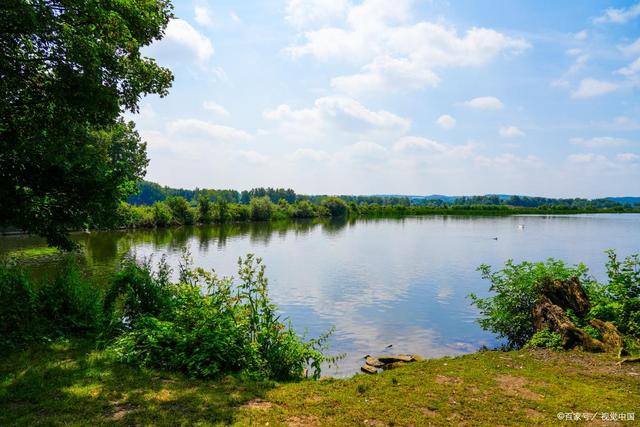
[(68, 70)]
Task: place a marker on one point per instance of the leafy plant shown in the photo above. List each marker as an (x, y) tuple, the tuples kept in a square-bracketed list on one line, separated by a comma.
[(545, 339), (516, 289)]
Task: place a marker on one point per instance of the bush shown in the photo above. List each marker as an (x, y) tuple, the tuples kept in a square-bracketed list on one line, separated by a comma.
[(335, 206), (261, 208), (303, 209), (18, 305), (207, 325), (162, 215), (545, 339), (618, 301), (69, 303), (181, 210), (516, 288), (32, 311)]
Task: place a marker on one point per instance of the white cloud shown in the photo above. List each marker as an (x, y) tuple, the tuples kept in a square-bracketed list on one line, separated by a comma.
[(300, 13), (182, 42), (310, 154), (631, 49), (234, 17), (509, 161), (599, 141), (394, 54), (445, 121), (510, 132), (589, 88), (484, 103), (419, 143), (215, 108), (579, 63), (363, 150), (338, 112), (582, 158), (618, 16), (559, 83), (252, 156), (581, 35), (202, 16), (631, 69), (194, 127), (629, 157)]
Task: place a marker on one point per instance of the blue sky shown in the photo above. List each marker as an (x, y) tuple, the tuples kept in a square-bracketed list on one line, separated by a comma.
[(402, 97)]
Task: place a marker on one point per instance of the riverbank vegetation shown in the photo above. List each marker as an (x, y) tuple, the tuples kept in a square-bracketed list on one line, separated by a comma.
[(177, 210), (202, 325)]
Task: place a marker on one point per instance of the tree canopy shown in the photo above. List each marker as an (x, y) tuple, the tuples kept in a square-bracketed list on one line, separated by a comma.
[(68, 70)]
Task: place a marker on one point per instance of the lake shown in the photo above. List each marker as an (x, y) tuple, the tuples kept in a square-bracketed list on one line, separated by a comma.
[(399, 282)]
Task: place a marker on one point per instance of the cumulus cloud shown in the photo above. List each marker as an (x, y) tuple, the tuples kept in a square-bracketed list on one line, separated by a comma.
[(215, 108), (581, 35), (202, 16), (418, 143), (631, 49), (590, 88), (618, 15), (195, 127), (631, 69), (510, 132), (508, 161), (182, 42), (252, 156), (393, 53), (338, 112), (302, 154), (599, 141), (484, 103), (445, 121), (300, 13), (629, 157)]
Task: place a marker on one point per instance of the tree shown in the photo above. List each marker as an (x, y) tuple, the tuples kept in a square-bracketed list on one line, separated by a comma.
[(68, 69), (336, 206), (204, 209), (261, 208), (181, 210)]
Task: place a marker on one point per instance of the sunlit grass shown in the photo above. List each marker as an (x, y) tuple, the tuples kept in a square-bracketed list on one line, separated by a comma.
[(71, 383)]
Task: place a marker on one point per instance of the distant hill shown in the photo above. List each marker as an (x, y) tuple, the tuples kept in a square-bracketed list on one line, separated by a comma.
[(625, 200)]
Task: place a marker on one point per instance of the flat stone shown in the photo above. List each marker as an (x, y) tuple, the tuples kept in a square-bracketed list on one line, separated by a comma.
[(396, 358), (368, 369), (372, 361)]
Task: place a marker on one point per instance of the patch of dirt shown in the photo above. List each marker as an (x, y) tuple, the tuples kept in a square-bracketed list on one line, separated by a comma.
[(441, 379), (532, 414), (163, 395), (313, 399), (257, 404), (121, 410), (376, 423), (303, 421), (428, 412), (515, 386)]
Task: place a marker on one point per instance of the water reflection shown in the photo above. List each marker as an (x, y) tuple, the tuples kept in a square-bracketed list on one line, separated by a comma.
[(382, 281)]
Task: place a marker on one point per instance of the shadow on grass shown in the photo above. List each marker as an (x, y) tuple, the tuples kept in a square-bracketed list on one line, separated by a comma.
[(71, 384)]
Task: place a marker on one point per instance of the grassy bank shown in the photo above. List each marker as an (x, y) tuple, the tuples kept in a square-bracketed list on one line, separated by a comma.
[(69, 383)]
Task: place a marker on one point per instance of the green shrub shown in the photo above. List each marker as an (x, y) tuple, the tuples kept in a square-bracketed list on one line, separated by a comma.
[(623, 292), (516, 289), (18, 305), (303, 209), (181, 210), (545, 339), (69, 303), (162, 215), (261, 208), (335, 206), (208, 325)]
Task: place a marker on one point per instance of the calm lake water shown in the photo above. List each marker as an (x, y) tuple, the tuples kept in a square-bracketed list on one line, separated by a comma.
[(399, 282)]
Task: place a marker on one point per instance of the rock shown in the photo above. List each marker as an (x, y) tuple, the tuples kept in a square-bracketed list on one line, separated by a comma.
[(547, 315), (372, 361), (417, 357), (397, 358), (611, 336), (368, 369), (393, 365), (567, 294)]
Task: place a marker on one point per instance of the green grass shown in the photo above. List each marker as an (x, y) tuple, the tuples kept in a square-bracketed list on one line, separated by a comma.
[(69, 383), (37, 252)]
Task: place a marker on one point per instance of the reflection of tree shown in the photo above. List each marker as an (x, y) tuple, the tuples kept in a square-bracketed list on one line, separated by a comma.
[(334, 226)]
